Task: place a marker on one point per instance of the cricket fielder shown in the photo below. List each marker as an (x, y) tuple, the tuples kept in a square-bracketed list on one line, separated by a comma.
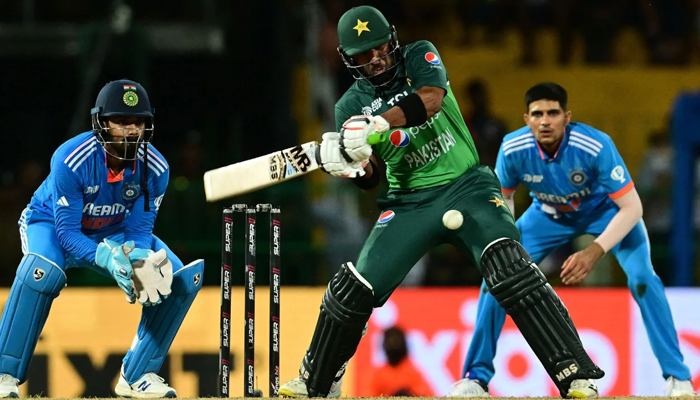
[(96, 209), (432, 169), (579, 184)]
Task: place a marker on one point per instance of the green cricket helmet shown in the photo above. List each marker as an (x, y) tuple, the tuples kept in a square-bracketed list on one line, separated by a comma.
[(362, 29)]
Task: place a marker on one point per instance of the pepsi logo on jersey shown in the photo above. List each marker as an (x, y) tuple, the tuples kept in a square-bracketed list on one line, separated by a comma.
[(432, 58), (384, 218), (399, 138)]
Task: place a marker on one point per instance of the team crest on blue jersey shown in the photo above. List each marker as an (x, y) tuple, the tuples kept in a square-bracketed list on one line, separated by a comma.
[(432, 58), (386, 217), (578, 178), (130, 192), (399, 138)]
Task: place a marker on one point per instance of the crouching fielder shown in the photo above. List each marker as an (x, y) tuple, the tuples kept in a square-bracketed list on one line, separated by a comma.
[(97, 209), (580, 185)]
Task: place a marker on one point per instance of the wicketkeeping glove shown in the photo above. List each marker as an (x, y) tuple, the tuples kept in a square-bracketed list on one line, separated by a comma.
[(112, 256), (153, 276)]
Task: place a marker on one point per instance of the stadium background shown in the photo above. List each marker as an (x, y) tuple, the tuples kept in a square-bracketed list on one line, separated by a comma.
[(234, 80)]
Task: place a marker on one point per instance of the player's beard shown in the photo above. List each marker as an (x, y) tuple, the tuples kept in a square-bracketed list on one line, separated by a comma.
[(125, 149), (383, 78)]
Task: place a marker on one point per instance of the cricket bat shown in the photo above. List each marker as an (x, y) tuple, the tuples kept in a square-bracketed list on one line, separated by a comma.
[(260, 172)]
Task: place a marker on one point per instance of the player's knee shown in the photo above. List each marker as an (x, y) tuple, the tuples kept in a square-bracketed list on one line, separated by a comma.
[(639, 281), (349, 293), (509, 271), (41, 274), (188, 279)]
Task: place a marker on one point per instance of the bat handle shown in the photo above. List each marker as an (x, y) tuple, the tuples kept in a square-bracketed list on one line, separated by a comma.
[(376, 138)]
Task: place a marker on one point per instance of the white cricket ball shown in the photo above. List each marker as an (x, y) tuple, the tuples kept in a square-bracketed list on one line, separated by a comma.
[(452, 219)]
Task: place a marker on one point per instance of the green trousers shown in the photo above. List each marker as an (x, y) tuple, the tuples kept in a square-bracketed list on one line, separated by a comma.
[(410, 224)]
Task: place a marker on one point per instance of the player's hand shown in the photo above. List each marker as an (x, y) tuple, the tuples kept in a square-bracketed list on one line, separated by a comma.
[(329, 157), (153, 276), (577, 267), (113, 257), (355, 133)]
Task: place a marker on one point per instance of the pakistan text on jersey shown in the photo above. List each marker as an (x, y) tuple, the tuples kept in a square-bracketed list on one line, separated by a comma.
[(431, 150)]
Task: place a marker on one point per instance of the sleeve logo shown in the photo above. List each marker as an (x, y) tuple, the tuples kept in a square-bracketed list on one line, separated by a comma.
[(157, 202), (432, 58), (618, 174)]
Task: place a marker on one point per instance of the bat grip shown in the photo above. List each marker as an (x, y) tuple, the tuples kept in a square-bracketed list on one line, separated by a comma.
[(376, 138)]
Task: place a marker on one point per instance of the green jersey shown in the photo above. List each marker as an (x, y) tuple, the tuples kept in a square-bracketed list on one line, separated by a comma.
[(433, 154)]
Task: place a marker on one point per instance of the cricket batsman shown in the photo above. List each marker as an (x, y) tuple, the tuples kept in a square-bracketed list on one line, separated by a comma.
[(438, 194), (96, 209)]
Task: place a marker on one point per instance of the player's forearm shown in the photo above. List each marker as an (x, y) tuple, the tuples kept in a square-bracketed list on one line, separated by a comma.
[(139, 226), (432, 102), (622, 223), (370, 180), (511, 204), (77, 244), (508, 197)]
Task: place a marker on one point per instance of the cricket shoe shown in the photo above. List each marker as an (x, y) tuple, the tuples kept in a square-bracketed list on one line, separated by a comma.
[(469, 388), (8, 386), (582, 389), (149, 386), (297, 388), (678, 388)]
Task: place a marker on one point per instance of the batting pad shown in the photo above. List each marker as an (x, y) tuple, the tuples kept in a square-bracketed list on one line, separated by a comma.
[(37, 283), (159, 324), (522, 290), (345, 310)]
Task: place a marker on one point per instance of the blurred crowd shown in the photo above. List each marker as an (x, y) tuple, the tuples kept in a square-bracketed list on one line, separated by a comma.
[(242, 99)]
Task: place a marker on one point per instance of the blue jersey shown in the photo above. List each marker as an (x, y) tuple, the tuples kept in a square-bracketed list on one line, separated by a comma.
[(86, 199), (585, 174)]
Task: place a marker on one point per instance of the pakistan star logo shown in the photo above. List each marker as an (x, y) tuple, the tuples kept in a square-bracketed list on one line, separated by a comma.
[(498, 202), (361, 27)]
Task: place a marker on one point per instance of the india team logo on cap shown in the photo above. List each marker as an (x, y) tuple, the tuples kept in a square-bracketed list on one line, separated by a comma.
[(130, 98), (399, 138), (432, 58), (386, 217)]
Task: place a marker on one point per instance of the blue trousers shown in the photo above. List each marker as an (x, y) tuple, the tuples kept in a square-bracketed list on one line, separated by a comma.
[(541, 234), (29, 309)]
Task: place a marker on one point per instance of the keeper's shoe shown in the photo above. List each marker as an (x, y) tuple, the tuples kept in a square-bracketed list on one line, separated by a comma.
[(9, 386), (297, 388), (149, 386), (469, 388), (582, 389), (678, 388)]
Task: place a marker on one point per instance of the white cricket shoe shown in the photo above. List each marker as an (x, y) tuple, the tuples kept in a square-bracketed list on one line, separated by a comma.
[(9, 386), (148, 386), (468, 388), (677, 388), (297, 388), (583, 389)]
